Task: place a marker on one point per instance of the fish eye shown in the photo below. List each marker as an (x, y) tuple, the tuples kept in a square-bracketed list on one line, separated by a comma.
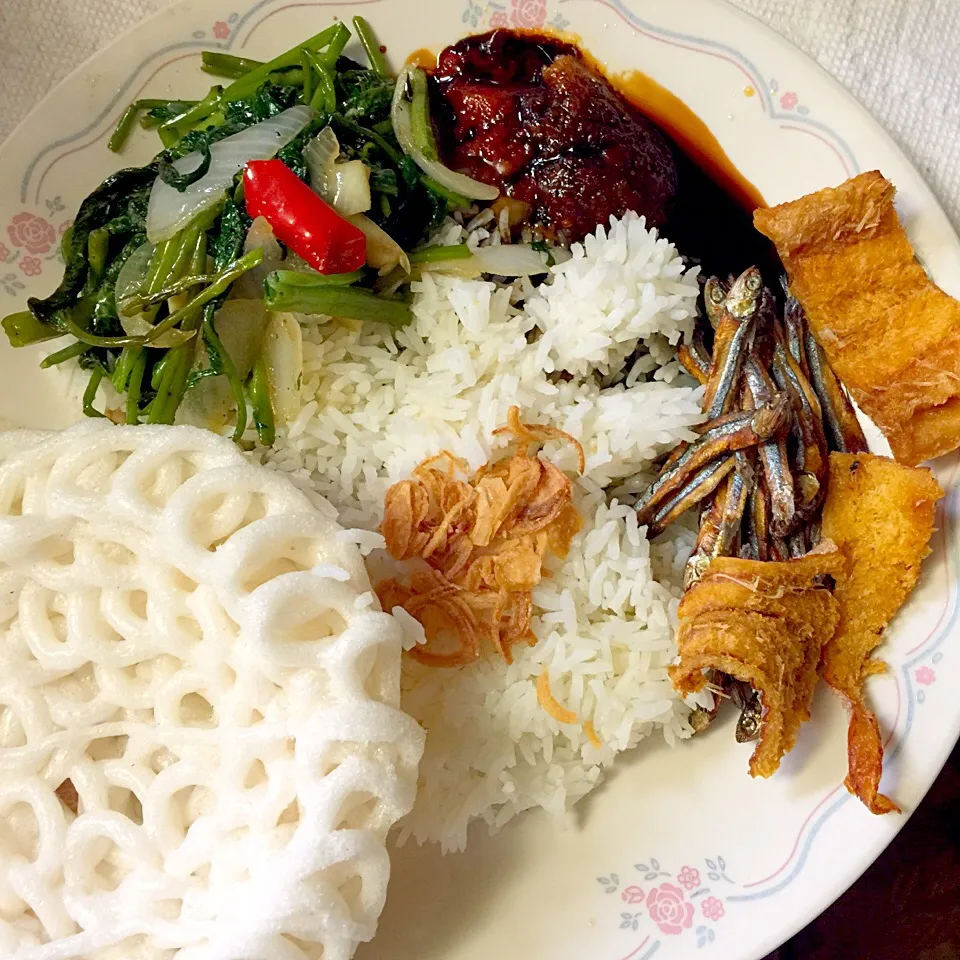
[(716, 294), (753, 283)]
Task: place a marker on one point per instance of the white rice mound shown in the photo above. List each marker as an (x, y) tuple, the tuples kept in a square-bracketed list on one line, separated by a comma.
[(375, 404)]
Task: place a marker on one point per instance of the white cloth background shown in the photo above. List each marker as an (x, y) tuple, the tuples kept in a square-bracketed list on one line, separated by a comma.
[(900, 58)]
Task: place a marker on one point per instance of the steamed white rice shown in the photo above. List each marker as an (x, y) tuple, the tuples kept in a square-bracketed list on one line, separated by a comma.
[(374, 404)]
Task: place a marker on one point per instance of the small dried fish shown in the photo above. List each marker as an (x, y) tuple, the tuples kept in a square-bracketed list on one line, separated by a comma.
[(731, 342), (737, 494), (812, 447), (714, 293), (748, 702), (838, 412), (700, 486), (773, 456), (695, 362), (727, 434), (744, 294), (721, 521), (795, 328)]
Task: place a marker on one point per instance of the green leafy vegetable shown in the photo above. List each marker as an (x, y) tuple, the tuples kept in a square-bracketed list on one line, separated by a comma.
[(324, 295), (169, 174)]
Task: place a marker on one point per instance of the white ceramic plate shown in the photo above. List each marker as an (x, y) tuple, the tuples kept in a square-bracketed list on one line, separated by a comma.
[(680, 854)]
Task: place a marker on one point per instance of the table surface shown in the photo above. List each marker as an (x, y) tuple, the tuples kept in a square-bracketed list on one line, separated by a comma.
[(907, 906)]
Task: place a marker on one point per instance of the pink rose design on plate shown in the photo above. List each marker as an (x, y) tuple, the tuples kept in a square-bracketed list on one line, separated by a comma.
[(689, 877), (31, 266), (498, 19), (789, 100), (33, 232), (528, 13), (632, 895), (712, 908), (925, 675), (668, 909), (221, 30)]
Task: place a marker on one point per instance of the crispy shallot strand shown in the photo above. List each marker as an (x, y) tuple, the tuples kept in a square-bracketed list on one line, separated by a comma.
[(546, 700), (484, 541), (591, 733), (538, 433)]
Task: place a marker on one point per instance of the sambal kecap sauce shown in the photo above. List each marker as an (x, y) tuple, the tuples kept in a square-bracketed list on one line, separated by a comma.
[(526, 113)]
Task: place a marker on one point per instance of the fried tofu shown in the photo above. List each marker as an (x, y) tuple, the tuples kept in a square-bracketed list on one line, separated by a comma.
[(764, 623), (889, 332), (881, 515)]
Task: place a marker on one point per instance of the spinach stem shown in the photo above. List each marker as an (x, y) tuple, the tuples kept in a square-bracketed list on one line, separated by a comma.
[(24, 328), (135, 387), (421, 127), (371, 46), (227, 65), (90, 394), (324, 298), (324, 98), (248, 83), (61, 356), (260, 404), (307, 76), (121, 132)]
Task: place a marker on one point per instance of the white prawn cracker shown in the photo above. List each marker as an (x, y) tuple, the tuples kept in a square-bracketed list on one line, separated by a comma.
[(201, 750)]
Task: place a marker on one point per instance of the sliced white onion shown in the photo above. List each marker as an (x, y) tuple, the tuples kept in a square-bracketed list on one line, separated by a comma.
[(383, 252), (259, 237), (282, 353), (351, 194), (503, 260), (457, 182), (511, 260), (131, 276), (320, 154), (169, 210), (129, 282), (240, 325)]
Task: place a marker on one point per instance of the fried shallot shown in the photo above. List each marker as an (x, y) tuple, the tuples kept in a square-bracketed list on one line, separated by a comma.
[(483, 541)]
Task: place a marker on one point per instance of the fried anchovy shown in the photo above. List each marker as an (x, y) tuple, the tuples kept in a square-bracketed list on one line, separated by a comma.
[(773, 456), (720, 522), (748, 702), (714, 293), (812, 461), (704, 550), (719, 684), (727, 434), (797, 543), (837, 409), (701, 485), (733, 333), (738, 489), (694, 361), (795, 328)]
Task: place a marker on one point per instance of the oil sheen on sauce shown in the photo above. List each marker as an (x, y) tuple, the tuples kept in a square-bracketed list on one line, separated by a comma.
[(709, 217)]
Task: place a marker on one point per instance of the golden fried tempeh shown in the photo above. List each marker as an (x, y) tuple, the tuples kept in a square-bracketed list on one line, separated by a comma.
[(880, 514), (890, 333), (764, 623)]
